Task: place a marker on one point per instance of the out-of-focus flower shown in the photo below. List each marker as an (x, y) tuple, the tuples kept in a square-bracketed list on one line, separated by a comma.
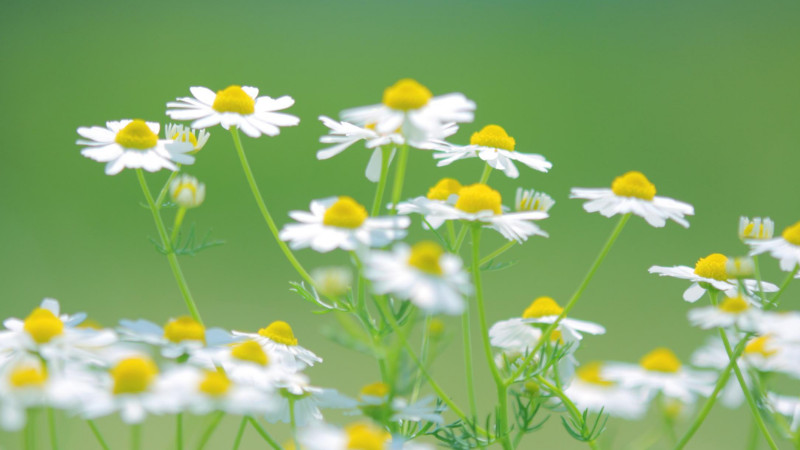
[(187, 192)]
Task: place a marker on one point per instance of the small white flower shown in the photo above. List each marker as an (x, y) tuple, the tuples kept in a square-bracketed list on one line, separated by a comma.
[(634, 193), (341, 222), (436, 205), (246, 362), (187, 192), (530, 200), (785, 248), (731, 312), (591, 390), (180, 133), (278, 338), (358, 435), (758, 228), (333, 281), (133, 144), (179, 337), (238, 106), (307, 400)]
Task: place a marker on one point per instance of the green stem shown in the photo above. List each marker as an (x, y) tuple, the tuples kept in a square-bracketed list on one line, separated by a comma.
[(487, 170), (176, 227), (261, 431), (381, 188), (467, 343), (164, 189), (752, 441), (757, 272), (179, 431), (210, 430), (462, 234), (784, 285), (589, 275), (171, 256), (424, 358), (399, 177), (239, 434), (248, 173), (51, 421), (451, 233), (97, 434), (571, 408), (488, 258), (293, 422), (136, 436)]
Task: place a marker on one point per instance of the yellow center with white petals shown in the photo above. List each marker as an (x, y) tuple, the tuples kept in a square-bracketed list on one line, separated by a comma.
[(235, 100), (634, 184), (792, 234), (214, 384), (250, 351), (734, 305), (361, 436), (136, 135), (592, 373), (406, 94), (133, 375), (661, 360), (345, 213), (42, 325), (479, 197), (712, 266), (493, 136), (27, 376), (184, 329), (444, 189), (760, 345), (377, 389), (280, 332), (542, 307), (183, 137), (425, 256), (190, 185)]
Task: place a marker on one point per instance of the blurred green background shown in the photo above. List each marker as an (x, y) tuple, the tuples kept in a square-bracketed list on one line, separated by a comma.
[(702, 96)]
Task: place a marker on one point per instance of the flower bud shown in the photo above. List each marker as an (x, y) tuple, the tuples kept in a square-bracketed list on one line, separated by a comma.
[(332, 281), (758, 228), (740, 267), (180, 133), (530, 200), (187, 192)]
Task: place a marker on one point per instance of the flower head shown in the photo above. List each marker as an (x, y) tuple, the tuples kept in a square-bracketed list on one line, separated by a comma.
[(785, 248), (187, 192)]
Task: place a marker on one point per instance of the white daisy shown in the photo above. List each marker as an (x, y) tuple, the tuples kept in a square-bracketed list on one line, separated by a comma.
[(634, 193), (493, 145), (238, 106), (133, 144), (278, 338), (530, 200), (436, 205), (341, 222), (181, 133), (731, 312), (433, 280), (767, 354), (591, 390), (179, 337), (709, 272), (785, 248), (542, 312), (246, 362), (356, 436), (783, 326)]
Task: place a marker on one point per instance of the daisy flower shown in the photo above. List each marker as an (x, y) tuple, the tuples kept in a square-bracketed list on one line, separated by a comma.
[(530, 200), (237, 106), (493, 145), (341, 222), (278, 338), (360, 436), (307, 401), (424, 274), (334, 281), (133, 144), (710, 272), (634, 193), (412, 109), (591, 390), (245, 362), (179, 337), (180, 133), (785, 248), (373, 401), (435, 205), (731, 312), (758, 228)]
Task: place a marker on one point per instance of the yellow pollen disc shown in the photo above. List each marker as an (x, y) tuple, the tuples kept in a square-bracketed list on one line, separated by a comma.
[(184, 329), (345, 213), (280, 332), (42, 325), (215, 384), (184, 136), (133, 375), (444, 189), (556, 336), (406, 94), (542, 307), (734, 305), (425, 256), (592, 373), (377, 389), (27, 376), (234, 99), (493, 136), (479, 197), (712, 266), (661, 360), (136, 135), (361, 436), (634, 184), (760, 345), (250, 351), (792, 234)]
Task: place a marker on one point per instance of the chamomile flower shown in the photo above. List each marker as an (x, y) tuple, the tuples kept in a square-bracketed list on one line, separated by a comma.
[(246, 362), (434, 206), (785, 248), (341, 222), (544, 311), (530, 200), (237, 106), (181, 133), (278, 338), (634, 193), (412, 109), (334, 281), (493, 145), (133, 144), (179, 337), (730, 312), (424, 274), (783, 326), (356, 436), (710, 272), (187, 192), (374, 401), (307, 399), (591, 390)]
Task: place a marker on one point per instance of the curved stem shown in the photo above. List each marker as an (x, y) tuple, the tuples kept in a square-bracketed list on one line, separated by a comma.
[(261, 431), (488, 258), (381, 188), (239, 434), (210, 430), (251, 181), (97, 434), (399, 177)]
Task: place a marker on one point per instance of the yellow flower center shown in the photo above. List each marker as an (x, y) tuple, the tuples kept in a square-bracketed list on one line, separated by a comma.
[(215, 384), (345, 213), (362, 436), (136, 135), (377, 389), (133, 375), (760, 345), (280, 332), (592, 373), (406, 94), (661, 360), (557, 337), (436, 328), (712, 266), (42, 325), (444, 189), (493, 136), (27, 376), (542, 307), (250, 351), (792, 234), (634, 184), (183, 137), (184, 329), (479, 197), (734, 305), (425, 256), (235, 100)]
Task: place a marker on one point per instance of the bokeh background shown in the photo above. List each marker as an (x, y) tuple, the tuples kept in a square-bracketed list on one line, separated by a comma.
[(702, 96)]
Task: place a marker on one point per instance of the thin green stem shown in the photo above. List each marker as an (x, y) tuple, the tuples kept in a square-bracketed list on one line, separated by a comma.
[(164, 189), (381, 188), (462, 234), (451, 233), (424, 357), (774, 302), (210, 430), (488, 258), (136, 436), (239, 434), (251, 181), (399, 177), (176, 227), (51, 422), (97, 434), (572, 409), (261, 431), (757, 272), (293, 422), (179, 431), (466, 339), (171, 256), (487, 170)]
